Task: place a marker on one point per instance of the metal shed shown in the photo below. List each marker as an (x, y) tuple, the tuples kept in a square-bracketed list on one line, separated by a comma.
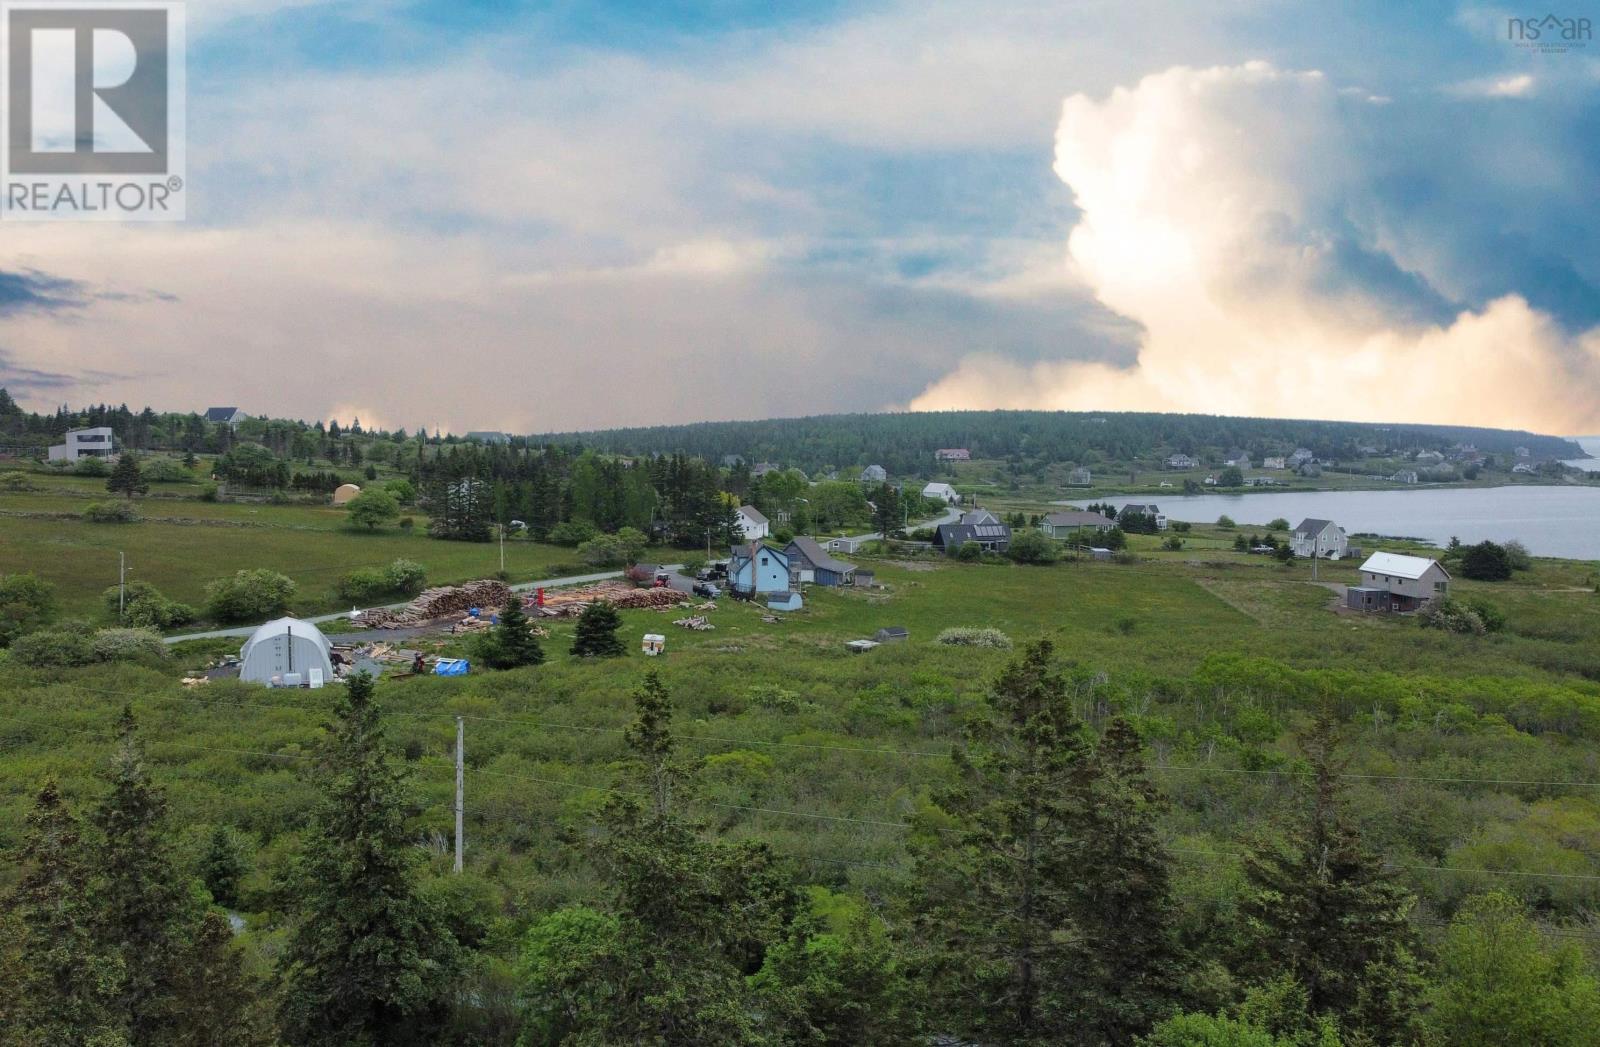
[(286, 653)]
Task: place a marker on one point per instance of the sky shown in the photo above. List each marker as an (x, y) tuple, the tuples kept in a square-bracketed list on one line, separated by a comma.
[(476, 214)]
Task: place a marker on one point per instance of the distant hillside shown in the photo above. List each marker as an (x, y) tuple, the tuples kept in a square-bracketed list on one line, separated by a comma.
[(904, 443)]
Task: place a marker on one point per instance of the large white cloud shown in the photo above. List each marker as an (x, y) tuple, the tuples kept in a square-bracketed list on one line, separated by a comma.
[(1227, 210)]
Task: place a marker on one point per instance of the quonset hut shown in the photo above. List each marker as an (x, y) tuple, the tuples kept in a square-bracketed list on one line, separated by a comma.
[(285, 653)]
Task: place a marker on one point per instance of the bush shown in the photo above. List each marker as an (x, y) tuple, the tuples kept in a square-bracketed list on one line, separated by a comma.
[(124, 645), (969, 552), (1172, 543), (208, 492), (92, 467), (778, 699), (17, 483), (407, 523), (571, 533), (146, 607), (969, 636), (406, 576), (58, 648), (613, 550), (164, 470), (402, 490), (1226, 522), (1453, 617), (1517, 553), (1494, 619), (1486, 562), (250, 595), (362, 584), (26, 603), (1032, 547), (109, 512), (1278, 524), (372, 507)]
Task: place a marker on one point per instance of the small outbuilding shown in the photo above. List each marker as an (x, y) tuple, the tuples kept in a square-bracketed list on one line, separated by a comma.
[(286, 653), (344, 492)]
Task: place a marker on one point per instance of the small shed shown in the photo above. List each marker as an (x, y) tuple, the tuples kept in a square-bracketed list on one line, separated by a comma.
[(285, 653), (891, 634), (784, 601), (654, 644), (344, 492)]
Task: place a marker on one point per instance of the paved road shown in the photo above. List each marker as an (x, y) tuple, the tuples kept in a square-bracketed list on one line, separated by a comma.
[(951, 515), (548, 583)]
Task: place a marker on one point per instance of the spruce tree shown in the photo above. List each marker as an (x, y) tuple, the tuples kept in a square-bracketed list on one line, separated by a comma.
[(1125, 907), (126, 478), (1322, 910), (220, 1003), (997, 889), (510, 642), (143, 906), (596, 635), (58, 984), (688, 919), (369, 960)]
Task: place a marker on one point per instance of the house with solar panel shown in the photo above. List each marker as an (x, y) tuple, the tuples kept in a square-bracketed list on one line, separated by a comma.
[(979, 527)]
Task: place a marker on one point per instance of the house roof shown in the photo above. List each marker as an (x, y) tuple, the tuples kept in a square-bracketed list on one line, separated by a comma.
[(1077, 518), (818, 557), (747, 551), (1141, 508), (751, 513), (976, 517), (938, 488), (1311, 525), (1400, 565), (221, 414)]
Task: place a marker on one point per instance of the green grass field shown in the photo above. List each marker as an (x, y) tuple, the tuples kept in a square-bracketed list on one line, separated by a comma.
[(1217, 655)]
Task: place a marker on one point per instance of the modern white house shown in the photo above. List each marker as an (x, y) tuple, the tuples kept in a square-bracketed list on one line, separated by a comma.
[(943, 492), (286, 653), (753, 526), (1322, 538), (1397, 582), (98, 442)]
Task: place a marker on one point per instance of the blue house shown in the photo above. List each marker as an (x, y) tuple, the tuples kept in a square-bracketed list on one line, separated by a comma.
[(759, 571)]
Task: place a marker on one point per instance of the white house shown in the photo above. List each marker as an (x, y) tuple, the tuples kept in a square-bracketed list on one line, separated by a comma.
[(1322, 538), (1080, 477), (874, 474), (943, 492), (1143, 509), (98, 442), (1180, 461), (1396, 582), (753, 526), (1275, 462), (1239, 459)]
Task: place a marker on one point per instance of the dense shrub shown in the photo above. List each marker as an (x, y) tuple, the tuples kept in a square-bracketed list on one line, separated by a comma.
[(970, 552), (54, 648), (400, 578), (1494, 619), (402, 490), (26, 603), (1486, 562), (110, 512), (372, 507), (572, 533), (362, 584), (146, 607), (1518, 555), (250, 595), (120, 645), (92, 467), (1451, 616), (613, 550), (967, 636), (17, 483), (164, 470), (1032, 547)]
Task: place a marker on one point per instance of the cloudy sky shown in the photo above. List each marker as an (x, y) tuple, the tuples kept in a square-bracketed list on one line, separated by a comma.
[(479, 214)]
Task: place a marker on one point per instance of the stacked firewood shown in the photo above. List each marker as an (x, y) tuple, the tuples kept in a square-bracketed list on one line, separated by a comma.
[(568, 603), (442, 601)]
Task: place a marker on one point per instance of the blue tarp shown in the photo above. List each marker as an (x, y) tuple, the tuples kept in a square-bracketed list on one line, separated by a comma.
[(451, 667)]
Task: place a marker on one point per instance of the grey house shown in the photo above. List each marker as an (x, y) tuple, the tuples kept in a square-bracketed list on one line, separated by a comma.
[(1322, 538), (815, 565)]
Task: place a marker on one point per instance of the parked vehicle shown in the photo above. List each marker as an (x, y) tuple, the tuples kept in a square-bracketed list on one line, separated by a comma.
[(707, 589)]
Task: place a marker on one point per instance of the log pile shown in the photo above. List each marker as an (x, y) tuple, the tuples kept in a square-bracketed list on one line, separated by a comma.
[(439, 602), (569, 603), (698, 623)]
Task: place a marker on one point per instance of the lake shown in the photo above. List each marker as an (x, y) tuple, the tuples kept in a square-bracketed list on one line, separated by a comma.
[(1550, 521)]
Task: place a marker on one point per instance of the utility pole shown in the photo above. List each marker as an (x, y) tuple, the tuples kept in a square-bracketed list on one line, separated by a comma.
[(461, 777), (502, 547), (1316, 554), (122, 586)]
